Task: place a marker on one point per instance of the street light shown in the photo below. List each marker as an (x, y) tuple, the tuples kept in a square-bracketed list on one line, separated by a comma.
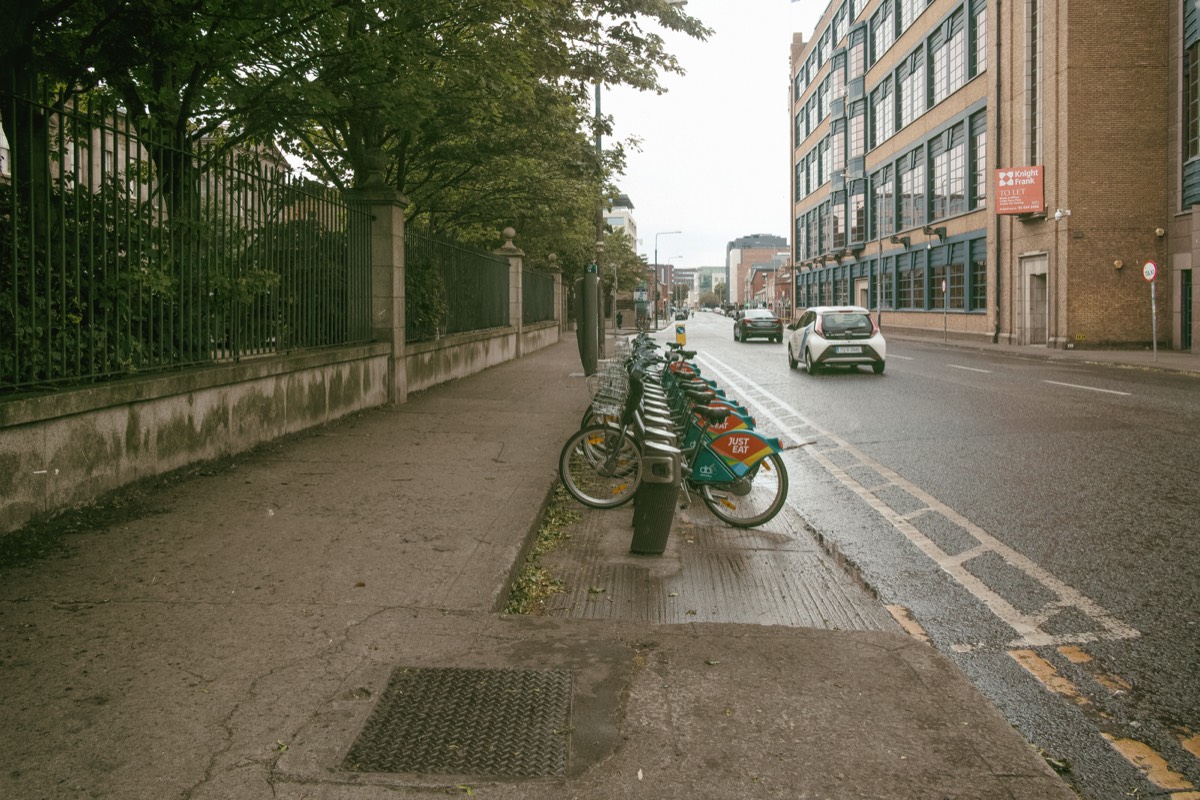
[(660, 233)]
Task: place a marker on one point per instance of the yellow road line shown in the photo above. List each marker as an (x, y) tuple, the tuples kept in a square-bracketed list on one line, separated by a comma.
[(910, 625), (1154, 766), (1045, 672)]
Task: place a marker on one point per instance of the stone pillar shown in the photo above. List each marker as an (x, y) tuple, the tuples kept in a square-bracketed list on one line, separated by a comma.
[(515, 258), (387, 279), (560, 295)]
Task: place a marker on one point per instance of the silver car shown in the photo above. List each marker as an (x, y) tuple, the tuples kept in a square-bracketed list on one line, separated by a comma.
[(826, 336)]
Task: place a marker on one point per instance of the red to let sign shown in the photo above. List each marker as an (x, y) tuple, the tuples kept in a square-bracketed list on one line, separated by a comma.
[(1019, 190)]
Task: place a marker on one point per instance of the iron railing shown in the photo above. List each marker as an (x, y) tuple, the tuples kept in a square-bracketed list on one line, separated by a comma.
[(537, 296), (120, 256), (451, 289)]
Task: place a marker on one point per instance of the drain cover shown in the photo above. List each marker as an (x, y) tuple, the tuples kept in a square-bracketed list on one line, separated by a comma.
[(500, 722)]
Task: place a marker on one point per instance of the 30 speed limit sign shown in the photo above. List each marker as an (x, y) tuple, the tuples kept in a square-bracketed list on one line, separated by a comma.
[(1150, 271)]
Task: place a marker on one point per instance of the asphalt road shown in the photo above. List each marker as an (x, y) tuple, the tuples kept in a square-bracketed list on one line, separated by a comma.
[(1037, 521)]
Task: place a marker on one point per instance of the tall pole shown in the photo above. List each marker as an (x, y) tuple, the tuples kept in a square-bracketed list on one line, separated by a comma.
[(660, 233)]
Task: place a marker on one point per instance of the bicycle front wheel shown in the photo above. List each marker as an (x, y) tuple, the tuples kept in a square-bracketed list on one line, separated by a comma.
[(751, 500), (601, 466)]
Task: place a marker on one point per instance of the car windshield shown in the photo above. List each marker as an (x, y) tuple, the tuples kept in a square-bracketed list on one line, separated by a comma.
[(846, 322), (758, 313)]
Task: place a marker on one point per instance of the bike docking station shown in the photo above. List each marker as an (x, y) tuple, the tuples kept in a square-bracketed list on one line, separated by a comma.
[(656, 497)]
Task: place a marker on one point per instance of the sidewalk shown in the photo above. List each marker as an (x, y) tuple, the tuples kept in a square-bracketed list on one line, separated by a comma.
[(236, 639), (1144, 358)]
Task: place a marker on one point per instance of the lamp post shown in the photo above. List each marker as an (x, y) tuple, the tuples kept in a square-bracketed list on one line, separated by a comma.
[(660, 233)]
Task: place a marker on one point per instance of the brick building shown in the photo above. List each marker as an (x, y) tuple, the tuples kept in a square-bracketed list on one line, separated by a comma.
[(743, 256), (1000, 168)]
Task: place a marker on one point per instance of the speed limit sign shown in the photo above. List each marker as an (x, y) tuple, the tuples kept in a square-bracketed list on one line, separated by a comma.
[(1150, 271)]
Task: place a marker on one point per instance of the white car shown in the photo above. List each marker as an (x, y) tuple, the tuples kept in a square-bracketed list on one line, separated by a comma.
[(826, 336)]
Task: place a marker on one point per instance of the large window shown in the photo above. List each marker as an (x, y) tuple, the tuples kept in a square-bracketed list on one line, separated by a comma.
[(856, 65), (857, 131), (883, 113), (911, 173), (909, 11), (1191, 97), (1033, 82), (949, 58), (979, 36), (912, 88), (858, 211), (978, 275), (949, 178), (883, 30), (979, 162), (957, 276), (837, 221), (884, 211), (837, 146)]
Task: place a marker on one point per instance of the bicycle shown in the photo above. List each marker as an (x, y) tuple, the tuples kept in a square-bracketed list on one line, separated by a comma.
[(737, 471)]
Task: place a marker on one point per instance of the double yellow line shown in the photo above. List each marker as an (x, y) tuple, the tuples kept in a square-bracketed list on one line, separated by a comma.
[(1146, 759)]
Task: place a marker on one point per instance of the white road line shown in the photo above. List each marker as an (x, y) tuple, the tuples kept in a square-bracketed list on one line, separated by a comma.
[(1028, 626), (902, 358), (970, 369), (1088, 388)]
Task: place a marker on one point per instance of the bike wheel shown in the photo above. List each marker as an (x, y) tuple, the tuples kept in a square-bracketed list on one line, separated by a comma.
[(751, 500), (601, 466)]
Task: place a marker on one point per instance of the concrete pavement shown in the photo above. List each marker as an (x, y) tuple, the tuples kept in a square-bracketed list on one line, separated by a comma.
[(238, 631)]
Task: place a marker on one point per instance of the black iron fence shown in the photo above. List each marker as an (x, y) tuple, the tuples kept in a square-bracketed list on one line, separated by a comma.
[(119, 255), (451, 289), (537, 301)]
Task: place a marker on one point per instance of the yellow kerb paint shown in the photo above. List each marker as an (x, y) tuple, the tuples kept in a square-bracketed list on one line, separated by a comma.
[(1045, 672), (1154, 766)]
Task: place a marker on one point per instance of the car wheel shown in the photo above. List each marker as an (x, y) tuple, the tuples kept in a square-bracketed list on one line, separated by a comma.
[(878, 367), (809, 366), (792, 362)]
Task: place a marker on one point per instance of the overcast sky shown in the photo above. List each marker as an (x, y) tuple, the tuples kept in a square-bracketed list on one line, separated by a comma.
[(714, 160)]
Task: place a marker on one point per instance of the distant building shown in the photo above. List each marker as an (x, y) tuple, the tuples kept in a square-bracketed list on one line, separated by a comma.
[(741, 256), (620, 218)]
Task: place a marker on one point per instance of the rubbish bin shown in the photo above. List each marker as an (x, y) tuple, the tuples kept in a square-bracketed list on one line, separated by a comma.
[(655, 500)]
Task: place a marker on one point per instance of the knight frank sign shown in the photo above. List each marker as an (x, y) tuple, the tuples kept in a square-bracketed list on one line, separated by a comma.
[(1019, 190)]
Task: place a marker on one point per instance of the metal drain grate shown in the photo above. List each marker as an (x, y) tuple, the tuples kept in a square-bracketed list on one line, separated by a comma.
[(499, 722)]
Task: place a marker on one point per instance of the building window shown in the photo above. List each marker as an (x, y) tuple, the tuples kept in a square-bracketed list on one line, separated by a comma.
[(883, 113), (979, 36), (1033, 82), (883, 30), (979, 170), (912, 191), (909, 11), (957, 281), (857, 138), (949, 59), (936, 276), (856, 62), (885, 203), (858, 212), (949, 174), (912, 89), (888, 280), (837, 221), (837, 76), (978, 275), (1191, 96), (837, 146)]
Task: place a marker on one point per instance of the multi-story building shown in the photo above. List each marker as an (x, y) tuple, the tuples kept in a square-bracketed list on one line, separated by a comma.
[(1000, 169), (742, 255)]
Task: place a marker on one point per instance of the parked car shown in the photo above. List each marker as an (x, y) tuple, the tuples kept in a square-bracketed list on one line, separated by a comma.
[(681, 314), (826, 336), (757, 323)]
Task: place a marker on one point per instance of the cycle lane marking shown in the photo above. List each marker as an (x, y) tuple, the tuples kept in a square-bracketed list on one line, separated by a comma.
[(1029, 626)]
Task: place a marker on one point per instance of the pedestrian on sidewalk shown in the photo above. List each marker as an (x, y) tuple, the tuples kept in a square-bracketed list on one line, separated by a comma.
[(619, 319)]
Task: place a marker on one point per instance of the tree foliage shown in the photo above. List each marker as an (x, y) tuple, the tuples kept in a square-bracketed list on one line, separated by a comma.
[(477, 111)]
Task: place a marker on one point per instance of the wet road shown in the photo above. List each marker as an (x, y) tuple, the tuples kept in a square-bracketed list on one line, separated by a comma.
[(1036, 521)]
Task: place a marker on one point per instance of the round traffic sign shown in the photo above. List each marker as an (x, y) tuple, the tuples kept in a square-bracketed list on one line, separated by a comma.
[(1150, 270)]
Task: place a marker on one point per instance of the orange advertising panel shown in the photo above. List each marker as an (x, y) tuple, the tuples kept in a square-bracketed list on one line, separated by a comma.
[(1019, 190)]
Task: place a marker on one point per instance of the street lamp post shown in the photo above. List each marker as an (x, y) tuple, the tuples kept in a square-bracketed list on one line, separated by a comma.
[(660, 233)]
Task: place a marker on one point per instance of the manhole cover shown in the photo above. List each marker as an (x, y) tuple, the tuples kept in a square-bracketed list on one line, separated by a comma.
[(501, 722)]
